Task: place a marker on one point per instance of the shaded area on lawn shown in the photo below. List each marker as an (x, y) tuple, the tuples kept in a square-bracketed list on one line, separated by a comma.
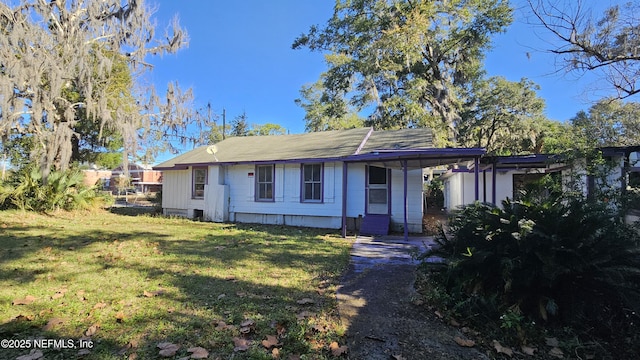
[(144, 280)]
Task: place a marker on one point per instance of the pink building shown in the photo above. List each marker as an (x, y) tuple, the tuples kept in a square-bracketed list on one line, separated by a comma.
[(143, 178)]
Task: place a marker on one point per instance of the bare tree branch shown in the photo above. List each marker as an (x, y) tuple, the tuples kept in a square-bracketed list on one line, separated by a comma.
[(609, 45)]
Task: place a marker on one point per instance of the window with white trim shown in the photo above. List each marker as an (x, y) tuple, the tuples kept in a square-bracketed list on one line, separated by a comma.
[(311, 183), (264, 182), (199, 181)]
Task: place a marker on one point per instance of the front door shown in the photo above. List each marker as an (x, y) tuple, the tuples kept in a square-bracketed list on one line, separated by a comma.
[(377, 190)]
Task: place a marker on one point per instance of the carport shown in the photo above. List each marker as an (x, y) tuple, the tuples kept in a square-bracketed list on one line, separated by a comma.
[(410, 159)]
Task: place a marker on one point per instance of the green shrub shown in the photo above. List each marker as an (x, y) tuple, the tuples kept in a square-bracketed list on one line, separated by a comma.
[(562, 259), (27, 190)]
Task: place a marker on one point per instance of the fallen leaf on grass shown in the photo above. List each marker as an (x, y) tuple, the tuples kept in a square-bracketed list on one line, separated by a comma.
[(130, 345), (556, 352), (317, 345), (275, 353), (553, 342), (21, 317), (305, 314), (198, 353), (52, 323), (99, 305), (168, 349), (60, 293), (271, 341), (241, 344), (221, 325), (120, 317), (337, 350), (80, 295), (92, 330), (247, 326), (438, 314), (464, 342), (305, 301), (398, 357), (293, 357), (32, 355), (502, 349), (528, 350), (319, 328), (25, 301)]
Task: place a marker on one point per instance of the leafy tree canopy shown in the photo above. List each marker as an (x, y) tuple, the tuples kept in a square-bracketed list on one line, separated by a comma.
[(503, 117), (608, 122), (410, 61), (325, 112), (266, 129)]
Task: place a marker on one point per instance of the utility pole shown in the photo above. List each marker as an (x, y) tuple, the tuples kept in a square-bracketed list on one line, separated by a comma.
[(224, 122)]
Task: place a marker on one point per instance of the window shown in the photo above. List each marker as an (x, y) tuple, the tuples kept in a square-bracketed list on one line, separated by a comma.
[(264, 182), (199, 180), (311, 183)]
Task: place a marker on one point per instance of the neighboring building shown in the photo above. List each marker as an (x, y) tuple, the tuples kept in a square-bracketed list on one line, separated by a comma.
[(329, 179), (143, 178), (93, 177), (502, 177)]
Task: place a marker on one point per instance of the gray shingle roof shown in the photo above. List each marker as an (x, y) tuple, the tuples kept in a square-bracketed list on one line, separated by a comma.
[(316, 145)]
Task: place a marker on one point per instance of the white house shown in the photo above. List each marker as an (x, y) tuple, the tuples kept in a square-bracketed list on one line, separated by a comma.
[(335, 179), (501, 177)]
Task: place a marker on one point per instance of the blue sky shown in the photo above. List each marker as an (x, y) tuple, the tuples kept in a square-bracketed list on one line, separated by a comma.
[(239, 58)]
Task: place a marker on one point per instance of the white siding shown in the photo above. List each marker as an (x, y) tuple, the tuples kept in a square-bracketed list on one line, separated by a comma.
[(414, 200), (176, 193), (460, 188), (230, 195), (286, 207), (355, 189)]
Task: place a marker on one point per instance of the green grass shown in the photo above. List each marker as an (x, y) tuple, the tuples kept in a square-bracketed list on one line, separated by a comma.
[(88, 269)]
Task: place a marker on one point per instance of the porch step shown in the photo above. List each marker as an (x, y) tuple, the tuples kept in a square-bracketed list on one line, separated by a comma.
[(375, 225)]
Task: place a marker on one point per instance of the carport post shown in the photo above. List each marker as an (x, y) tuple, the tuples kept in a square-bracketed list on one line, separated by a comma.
[(344, 199), (477, 173), (493, 182), (406, 225)]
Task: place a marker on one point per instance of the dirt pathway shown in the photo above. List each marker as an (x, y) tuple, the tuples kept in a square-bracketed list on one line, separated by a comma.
[(375, 302)]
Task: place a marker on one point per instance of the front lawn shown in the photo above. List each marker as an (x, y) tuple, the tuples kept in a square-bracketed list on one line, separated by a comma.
[(129, 283)]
